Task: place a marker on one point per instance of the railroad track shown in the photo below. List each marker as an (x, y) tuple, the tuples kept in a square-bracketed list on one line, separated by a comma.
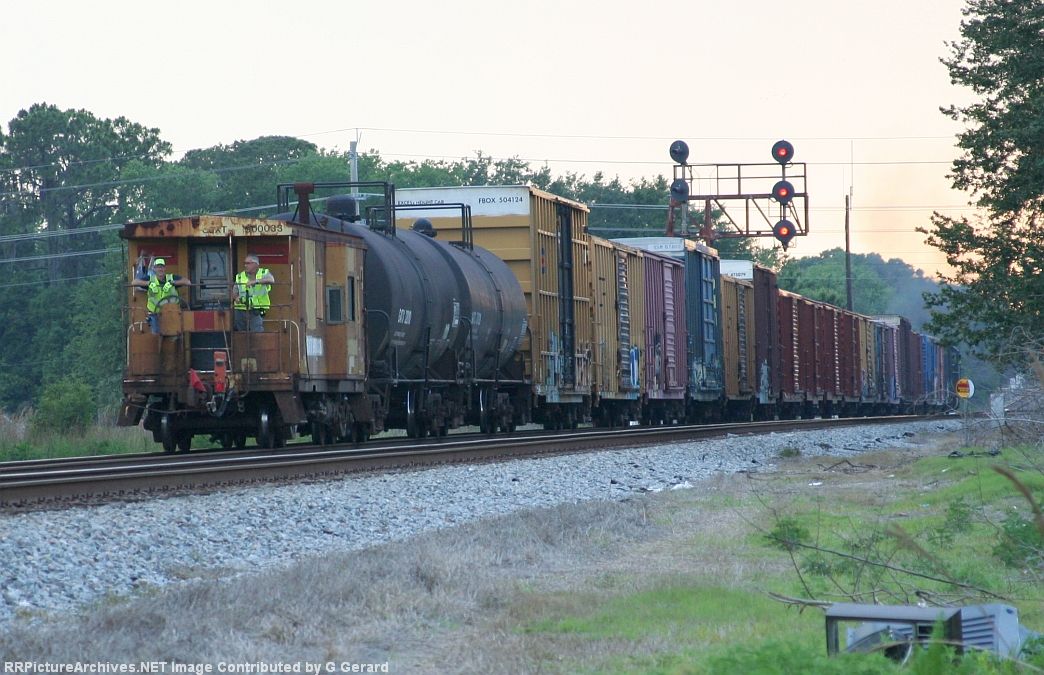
[(59, 482)]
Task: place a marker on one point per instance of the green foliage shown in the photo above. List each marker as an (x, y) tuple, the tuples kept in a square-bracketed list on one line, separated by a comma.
[(778, 656), (878, 286), (994, 300), (787, 533), (1021, 543), (66, 406), (958, 519)]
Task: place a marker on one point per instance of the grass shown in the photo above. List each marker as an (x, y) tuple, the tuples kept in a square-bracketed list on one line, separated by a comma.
[(18, 440), (695, 615), (697, 625)]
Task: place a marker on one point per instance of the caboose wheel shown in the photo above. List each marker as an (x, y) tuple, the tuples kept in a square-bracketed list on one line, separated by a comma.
[(265, 431), (166, 434)]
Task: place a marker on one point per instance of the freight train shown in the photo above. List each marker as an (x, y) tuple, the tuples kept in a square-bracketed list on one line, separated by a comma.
[(493, 306)]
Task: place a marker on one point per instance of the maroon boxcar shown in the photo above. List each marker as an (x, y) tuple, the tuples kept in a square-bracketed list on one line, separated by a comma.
[(908, 366), (849, 370), (664, 378), (827, 375), (797, 353), (767, 344)]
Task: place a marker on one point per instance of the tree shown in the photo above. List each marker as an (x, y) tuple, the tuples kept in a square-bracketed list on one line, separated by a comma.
[(878, 287), (63, 179), (994, 299), (64, 172)]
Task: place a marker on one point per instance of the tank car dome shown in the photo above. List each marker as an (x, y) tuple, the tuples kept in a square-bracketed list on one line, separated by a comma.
[(344, 207), (424, 226)]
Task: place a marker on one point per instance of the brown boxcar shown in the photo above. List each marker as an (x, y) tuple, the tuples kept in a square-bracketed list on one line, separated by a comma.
[(543, 239), (849, 373), (827, 360), (909, 362), (665, 341), (792, 390), (767, 348)]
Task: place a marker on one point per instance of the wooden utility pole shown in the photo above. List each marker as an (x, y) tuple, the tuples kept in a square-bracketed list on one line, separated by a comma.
[(848, 256)]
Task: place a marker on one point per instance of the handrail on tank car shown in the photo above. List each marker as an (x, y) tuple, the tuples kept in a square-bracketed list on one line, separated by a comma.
[(466, 227), (303, 204)]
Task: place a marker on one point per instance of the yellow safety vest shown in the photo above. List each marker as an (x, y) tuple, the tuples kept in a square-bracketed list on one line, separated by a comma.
[(161, 292), (253, 297)]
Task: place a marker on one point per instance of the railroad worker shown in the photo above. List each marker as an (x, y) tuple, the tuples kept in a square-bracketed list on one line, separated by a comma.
[(162, 289), (250, 295)]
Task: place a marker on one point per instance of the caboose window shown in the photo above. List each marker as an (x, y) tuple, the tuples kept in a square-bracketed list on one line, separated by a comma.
[(210, 277), (351, 298), (334, 304)]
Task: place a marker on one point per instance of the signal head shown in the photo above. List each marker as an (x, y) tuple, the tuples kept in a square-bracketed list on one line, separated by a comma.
[(784, 232), (679, 151), (783, 152), (680, 190), (783, 192)]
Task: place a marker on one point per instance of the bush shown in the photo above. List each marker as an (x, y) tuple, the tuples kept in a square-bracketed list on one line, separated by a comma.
[(1021, 543), (67, 406)]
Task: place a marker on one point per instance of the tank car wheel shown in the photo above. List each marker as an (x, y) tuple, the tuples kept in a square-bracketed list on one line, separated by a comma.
[(320, 433), (343, 430), (413, 426), (265, 429), (184, 441), (227, 440), (360, 433), (240, 439), (488, 423), (166, 434)]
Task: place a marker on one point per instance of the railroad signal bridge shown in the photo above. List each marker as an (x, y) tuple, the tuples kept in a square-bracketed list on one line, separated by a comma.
[(757, 200)]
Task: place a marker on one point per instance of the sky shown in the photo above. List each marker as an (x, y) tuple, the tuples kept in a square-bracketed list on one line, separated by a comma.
[(579, 85)]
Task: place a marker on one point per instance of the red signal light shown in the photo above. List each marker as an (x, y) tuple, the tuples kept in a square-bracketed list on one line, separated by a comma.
[(783, 192), (784, 232), (782, 151)]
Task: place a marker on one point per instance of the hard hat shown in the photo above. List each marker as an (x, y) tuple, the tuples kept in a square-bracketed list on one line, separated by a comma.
[(159, 261)]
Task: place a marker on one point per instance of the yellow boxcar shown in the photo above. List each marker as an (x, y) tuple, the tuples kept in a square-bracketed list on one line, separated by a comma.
[(543, 239), (738, 337), (616, 303)]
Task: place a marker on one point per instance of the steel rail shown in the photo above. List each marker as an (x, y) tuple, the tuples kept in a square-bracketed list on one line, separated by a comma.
[(57, 482)]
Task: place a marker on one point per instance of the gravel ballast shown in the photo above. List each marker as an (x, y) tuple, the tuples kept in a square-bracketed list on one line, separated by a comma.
[(61, 559)]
